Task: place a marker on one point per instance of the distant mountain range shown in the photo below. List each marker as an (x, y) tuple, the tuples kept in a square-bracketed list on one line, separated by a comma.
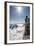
[(16, 25)]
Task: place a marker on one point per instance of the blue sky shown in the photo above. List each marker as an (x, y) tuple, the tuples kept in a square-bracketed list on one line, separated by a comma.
[(17, 16)]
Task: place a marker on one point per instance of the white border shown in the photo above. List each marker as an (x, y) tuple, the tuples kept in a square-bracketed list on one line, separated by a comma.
[(19, 41)]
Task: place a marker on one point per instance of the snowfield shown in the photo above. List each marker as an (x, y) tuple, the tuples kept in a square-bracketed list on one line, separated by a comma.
[(17, 33)]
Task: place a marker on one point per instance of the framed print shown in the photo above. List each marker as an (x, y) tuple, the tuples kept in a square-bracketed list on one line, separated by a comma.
[(18, 22)]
